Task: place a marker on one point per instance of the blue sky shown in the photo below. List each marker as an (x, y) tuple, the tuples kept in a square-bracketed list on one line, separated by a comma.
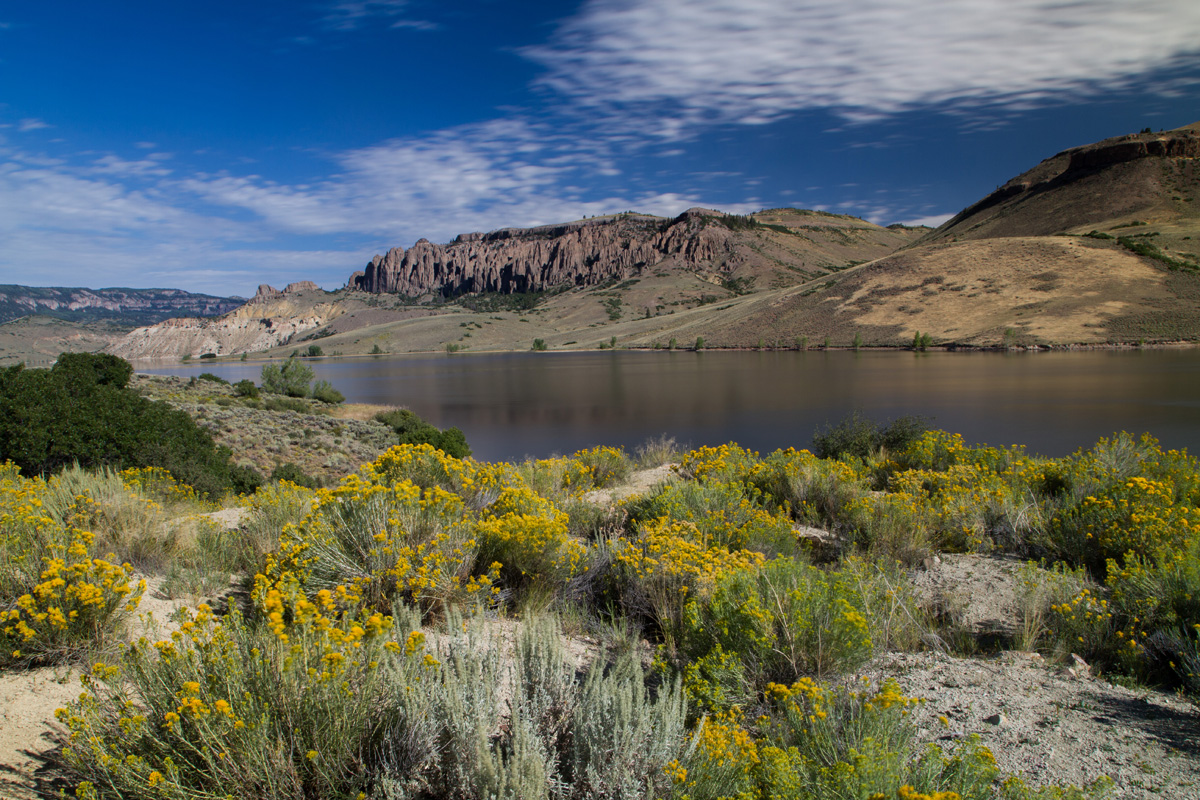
[(215, 145)]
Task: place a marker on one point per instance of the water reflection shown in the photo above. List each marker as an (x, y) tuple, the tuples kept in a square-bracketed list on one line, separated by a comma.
[(515, 404)]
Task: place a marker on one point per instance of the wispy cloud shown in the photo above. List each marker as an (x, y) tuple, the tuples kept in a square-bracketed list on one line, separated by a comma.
[(32, 124), (349, 15), (685, 63), (479, 177)]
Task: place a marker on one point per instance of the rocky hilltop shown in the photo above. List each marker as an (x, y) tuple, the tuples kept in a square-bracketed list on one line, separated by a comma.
[(270, 319), (1143, 177), (129, 306), (592, 251)]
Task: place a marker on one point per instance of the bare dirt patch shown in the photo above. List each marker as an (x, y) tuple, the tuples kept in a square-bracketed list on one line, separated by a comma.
[(1054, 725)]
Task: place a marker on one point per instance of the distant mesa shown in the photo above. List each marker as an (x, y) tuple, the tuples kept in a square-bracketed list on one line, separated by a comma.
[(117, 305)]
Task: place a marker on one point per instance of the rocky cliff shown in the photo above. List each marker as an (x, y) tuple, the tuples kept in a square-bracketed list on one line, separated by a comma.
[(269, 319), (582, 253)]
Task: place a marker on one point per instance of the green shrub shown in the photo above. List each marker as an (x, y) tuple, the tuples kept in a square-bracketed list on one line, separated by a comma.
[(244, 478), (411, 429), (857, 435), (277, 403), (245, 388), (211, 378), (292, 473), (291, 378), (538, 344), (324, 392), (782, 621), (81, 412)]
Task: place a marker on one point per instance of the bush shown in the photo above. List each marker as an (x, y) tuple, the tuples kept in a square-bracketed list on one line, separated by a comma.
[(859, 436), (325, 705), (211, 378), (780, 622), (722, 514), (291, 378), (538, 344), (245, 388), (292, 473), (411, 429), (59, 597), (324, 392), (597, 468), (81, 412), (287, 404)]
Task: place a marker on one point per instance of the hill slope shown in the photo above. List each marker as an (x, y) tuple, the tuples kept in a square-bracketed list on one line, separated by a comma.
[(1093, 245)]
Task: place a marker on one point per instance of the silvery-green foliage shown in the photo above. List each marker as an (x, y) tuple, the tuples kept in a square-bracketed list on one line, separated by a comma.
[(474, 728), (621, 738)]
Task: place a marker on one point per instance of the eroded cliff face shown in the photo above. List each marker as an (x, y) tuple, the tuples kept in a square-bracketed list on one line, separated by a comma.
[(581, 253), (271, 318)]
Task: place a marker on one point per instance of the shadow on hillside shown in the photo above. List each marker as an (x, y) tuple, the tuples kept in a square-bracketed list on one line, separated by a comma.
[(1176, 729)]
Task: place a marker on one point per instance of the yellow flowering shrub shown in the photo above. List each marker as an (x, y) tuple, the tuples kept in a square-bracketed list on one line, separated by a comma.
[(596, 468), (58, 596), (529, 537), (667, 564), (225, 708), (816, 741), (722, 513), (373, 542), (724, 463), (426, 466), (1137, 515)]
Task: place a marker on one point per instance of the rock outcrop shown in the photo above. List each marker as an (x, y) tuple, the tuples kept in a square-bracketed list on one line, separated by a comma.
[(271, 318), (582, 253)]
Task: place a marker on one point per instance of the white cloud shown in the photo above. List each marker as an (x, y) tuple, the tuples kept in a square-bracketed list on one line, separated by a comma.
[(690, 62), (32, 124)]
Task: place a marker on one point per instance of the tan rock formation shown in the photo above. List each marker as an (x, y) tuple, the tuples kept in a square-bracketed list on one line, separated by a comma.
[(271, 318)]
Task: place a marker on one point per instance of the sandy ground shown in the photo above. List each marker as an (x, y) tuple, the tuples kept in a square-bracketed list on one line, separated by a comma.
[(1055, 724), (639, 482)]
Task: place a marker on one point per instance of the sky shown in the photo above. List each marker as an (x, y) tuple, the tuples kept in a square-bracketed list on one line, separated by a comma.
[(213, 146)]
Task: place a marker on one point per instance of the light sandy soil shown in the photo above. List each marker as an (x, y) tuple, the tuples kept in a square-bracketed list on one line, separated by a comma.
[(639, 482), (1055, 725)]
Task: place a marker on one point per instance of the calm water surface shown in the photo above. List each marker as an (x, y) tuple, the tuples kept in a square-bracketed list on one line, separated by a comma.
[(511, 405)]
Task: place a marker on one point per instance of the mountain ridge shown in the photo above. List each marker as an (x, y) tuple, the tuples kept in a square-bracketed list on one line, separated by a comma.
[(113, 304)]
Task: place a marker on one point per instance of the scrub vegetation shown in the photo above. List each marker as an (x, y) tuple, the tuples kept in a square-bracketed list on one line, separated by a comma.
[(433, 626)]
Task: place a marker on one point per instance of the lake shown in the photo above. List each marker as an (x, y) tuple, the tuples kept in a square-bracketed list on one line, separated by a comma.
[(511, 405)]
